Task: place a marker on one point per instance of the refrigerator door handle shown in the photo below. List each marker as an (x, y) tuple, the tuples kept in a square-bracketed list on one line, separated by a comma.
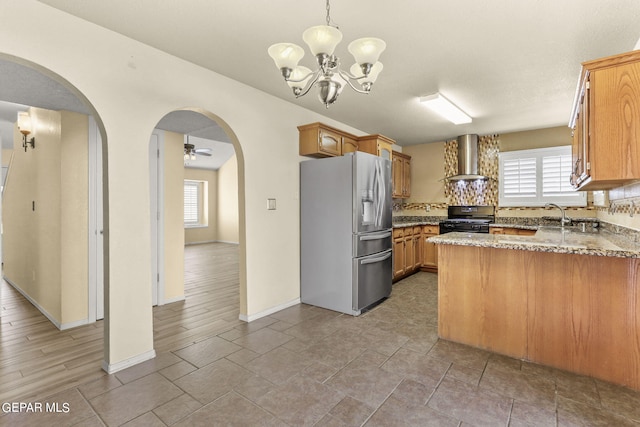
[(373, 260), (375, 236)]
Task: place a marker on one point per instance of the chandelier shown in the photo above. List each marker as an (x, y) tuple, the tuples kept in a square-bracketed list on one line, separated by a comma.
[(328, 77)]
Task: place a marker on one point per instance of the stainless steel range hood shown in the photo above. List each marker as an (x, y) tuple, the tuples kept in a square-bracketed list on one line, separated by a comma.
[(467, 159)]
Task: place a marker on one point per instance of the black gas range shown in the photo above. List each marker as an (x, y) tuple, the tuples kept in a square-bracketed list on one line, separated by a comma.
[(468, 219)]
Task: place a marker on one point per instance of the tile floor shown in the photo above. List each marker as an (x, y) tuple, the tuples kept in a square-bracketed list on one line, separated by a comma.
[(306, 366)]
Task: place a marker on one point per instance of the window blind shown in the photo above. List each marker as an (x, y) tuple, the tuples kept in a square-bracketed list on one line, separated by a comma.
[(519, 177), (537, 177), (191, 202)]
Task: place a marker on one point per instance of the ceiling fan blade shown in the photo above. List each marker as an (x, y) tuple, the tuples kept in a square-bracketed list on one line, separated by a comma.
[(200, 153), (203, 150)]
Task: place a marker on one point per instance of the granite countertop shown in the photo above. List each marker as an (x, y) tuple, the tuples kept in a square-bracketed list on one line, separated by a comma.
[(550, 239), (399, 222), (512, 225)]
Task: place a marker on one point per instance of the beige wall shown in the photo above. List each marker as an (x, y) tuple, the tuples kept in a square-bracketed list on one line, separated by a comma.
[(208, 233), (427, 171), (130, 87), (74, 216), (46, 248), (228, 227), (538, 138), (173, 217)]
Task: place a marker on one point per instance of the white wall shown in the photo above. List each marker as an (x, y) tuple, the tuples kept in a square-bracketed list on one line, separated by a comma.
[(131, 87)]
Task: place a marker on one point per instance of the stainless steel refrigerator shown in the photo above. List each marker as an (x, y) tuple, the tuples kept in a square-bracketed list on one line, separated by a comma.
[(345, 232)]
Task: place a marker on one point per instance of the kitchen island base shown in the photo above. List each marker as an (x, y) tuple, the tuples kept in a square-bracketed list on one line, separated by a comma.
[(579, 313)]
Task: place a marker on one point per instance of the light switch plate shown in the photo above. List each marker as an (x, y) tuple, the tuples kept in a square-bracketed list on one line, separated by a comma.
[(271, 204)]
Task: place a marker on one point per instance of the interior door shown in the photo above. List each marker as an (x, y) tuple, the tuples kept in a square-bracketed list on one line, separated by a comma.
[(96, 225), (154, 157)]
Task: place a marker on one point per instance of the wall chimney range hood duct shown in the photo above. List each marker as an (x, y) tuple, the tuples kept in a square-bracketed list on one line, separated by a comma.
[(467, 159)]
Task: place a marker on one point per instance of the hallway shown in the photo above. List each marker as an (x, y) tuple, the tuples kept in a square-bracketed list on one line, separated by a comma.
[(306, 366)]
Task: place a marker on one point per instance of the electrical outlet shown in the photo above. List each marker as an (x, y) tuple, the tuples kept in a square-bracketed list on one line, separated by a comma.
[(427, 208), (271, 204)]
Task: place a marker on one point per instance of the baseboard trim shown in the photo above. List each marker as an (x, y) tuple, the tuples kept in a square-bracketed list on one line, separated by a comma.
[(57, 324), (269, 311), (210, 241), (127, 363)]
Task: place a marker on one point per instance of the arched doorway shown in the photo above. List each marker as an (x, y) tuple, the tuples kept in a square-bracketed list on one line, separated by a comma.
[(206, 231), (48, 247)]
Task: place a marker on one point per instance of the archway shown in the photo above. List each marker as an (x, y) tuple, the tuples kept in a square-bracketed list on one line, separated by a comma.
[(210, 229), (48, 246)]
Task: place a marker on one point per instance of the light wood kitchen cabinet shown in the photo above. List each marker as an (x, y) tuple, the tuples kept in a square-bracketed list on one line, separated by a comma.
[(606, 123), (320, 140), (378, 145), (512, 231), (401, 172), (573, 312), (349, 144), (429, 250), (408, 250), (398, 253), (417, 248)]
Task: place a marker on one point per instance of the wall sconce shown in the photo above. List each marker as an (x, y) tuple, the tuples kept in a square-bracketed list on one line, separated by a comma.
[(25, 127)]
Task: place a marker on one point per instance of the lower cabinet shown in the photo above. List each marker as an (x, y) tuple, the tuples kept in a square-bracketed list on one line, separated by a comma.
[(410, 248), (430, 250)]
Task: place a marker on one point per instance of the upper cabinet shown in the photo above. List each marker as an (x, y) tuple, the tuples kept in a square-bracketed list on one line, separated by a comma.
[(401, 175), (606, 123), (320, 140), (378, 145)]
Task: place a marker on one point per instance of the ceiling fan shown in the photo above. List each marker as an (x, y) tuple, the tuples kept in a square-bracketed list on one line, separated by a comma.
[(190, 151)]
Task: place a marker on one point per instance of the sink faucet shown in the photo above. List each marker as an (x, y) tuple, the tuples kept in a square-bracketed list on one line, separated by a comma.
[(564, 220)]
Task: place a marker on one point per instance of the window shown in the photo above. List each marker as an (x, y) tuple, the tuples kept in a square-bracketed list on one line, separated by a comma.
[(195, 207), (537, 177)]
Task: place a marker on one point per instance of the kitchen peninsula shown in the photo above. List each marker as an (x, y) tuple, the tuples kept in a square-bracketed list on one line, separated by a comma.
[(562, 297)]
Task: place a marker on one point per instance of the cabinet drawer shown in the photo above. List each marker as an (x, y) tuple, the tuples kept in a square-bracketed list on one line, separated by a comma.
[(417, 230), (398, 232), (431, 229)]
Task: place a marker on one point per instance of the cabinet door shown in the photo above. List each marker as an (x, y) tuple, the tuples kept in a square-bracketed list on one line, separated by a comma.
[(614, 150), (330, 142), (581, 139), (384, 150), (398, 257), (409, 254), (417, 248), (349, 145), (397, 175), (429, 250), (406, 178)]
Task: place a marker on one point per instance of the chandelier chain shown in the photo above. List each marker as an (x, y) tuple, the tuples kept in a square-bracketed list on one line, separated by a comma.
[(329, 17), (328, 11)]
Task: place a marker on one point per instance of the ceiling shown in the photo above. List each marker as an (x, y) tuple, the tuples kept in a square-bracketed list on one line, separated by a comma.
[(512, 65), (22, 87)]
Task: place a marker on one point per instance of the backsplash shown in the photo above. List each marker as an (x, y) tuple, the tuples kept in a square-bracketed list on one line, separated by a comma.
[(473, 192)]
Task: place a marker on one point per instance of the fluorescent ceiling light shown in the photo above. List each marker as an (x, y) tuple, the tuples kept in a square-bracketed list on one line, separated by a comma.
[(441, 105)]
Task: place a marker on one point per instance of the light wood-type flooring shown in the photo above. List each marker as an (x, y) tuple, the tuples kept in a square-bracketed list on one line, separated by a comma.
[(302, 366)]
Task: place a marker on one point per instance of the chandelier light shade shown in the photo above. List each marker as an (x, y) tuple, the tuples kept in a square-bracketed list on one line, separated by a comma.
[(322, 39), (328, 77)]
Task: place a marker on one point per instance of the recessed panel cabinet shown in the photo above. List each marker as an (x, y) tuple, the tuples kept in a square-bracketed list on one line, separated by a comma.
[(318, 140), (606, 123), (401, 171)]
